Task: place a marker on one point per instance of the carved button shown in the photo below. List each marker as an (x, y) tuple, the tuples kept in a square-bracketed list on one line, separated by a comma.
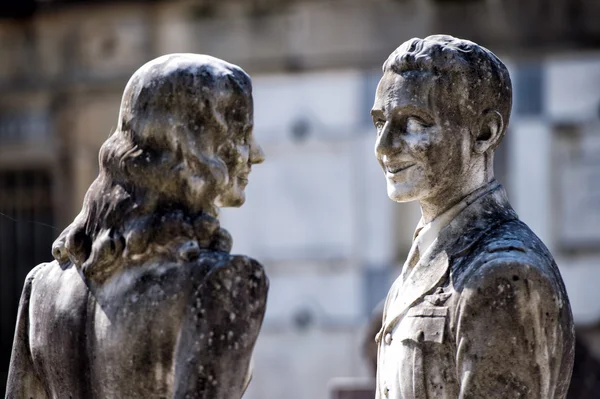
[(386, 391), (388, 338)]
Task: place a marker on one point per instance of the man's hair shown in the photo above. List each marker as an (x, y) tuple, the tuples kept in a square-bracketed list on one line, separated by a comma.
[(484, 76)]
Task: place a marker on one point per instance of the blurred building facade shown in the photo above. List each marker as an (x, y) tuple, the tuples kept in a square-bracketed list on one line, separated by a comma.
[(317, 214)]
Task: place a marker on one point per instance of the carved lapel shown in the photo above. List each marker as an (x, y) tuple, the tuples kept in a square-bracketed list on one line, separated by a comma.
[(482, 213), (426, 275)]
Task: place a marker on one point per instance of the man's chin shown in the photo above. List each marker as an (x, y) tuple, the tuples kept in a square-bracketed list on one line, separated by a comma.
[(399, 193)]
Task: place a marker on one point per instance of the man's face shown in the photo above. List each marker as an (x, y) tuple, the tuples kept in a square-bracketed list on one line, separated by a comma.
[(422, 144)]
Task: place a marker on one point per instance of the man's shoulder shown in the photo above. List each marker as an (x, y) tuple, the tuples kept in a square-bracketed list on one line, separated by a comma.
[(512, 233), (510, 251)]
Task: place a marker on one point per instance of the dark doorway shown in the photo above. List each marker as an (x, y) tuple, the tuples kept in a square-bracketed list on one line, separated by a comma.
[(26, 235)]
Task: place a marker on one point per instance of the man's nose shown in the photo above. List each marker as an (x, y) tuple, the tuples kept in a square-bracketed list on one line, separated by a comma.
[(257, 154), (387, 142)]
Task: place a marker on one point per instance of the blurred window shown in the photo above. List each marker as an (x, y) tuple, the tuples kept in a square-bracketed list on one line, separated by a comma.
[(577, 177), (24, 127), (528, 84)]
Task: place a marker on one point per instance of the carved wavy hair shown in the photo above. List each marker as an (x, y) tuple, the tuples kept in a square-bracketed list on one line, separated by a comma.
[(161, 169), (486, 81)]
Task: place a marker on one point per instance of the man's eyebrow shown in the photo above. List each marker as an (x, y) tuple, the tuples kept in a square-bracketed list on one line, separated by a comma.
[(411, 108)]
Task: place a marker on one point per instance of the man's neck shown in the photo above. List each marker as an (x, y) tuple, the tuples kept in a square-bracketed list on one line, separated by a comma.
[(431, 208)]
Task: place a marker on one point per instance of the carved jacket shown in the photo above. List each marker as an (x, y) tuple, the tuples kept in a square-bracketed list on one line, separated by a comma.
[(483, 314), (159, 330)]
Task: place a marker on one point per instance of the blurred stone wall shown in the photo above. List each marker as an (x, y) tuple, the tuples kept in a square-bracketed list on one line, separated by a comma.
[(331, 240)]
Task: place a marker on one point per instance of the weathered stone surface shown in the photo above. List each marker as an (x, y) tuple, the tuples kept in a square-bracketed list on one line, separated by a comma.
[(144, 299), (480, 309)]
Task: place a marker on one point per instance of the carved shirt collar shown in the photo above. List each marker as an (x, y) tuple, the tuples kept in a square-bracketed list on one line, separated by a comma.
[(426, 234)]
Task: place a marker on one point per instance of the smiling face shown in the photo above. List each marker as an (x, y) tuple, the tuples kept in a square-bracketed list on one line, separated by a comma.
[(422, 146)]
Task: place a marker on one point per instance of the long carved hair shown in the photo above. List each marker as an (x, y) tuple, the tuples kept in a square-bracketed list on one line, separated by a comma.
[(162, 168)]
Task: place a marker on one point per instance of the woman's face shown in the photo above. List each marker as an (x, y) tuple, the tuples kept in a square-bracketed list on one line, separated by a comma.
[(239, 158), (220, 150)]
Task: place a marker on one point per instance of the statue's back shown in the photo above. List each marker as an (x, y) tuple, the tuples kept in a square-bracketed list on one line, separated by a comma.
[(143, 299), (157, 330)]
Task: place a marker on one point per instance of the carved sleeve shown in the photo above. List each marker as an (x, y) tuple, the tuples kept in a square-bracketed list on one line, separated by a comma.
[(23, 381), (219, 331), (511, 334)]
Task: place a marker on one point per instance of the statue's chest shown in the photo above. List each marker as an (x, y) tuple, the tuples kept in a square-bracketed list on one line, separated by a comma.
[(416, 354)]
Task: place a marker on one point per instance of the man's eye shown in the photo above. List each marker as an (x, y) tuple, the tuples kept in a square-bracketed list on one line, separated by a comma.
[(379, 124), (415, 125)]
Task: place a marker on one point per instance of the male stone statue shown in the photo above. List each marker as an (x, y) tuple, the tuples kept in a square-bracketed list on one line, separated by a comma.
[(144, 299), (480, 310)]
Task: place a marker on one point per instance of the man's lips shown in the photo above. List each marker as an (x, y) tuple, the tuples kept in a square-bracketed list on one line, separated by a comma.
[(398, 167)]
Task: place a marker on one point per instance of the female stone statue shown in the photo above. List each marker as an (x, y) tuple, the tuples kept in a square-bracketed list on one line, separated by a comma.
[(143, 299)]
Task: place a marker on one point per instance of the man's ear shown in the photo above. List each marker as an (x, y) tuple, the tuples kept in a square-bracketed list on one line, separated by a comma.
[(491, 126)]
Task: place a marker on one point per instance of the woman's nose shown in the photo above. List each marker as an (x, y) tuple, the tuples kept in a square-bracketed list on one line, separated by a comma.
[(257, 154)]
